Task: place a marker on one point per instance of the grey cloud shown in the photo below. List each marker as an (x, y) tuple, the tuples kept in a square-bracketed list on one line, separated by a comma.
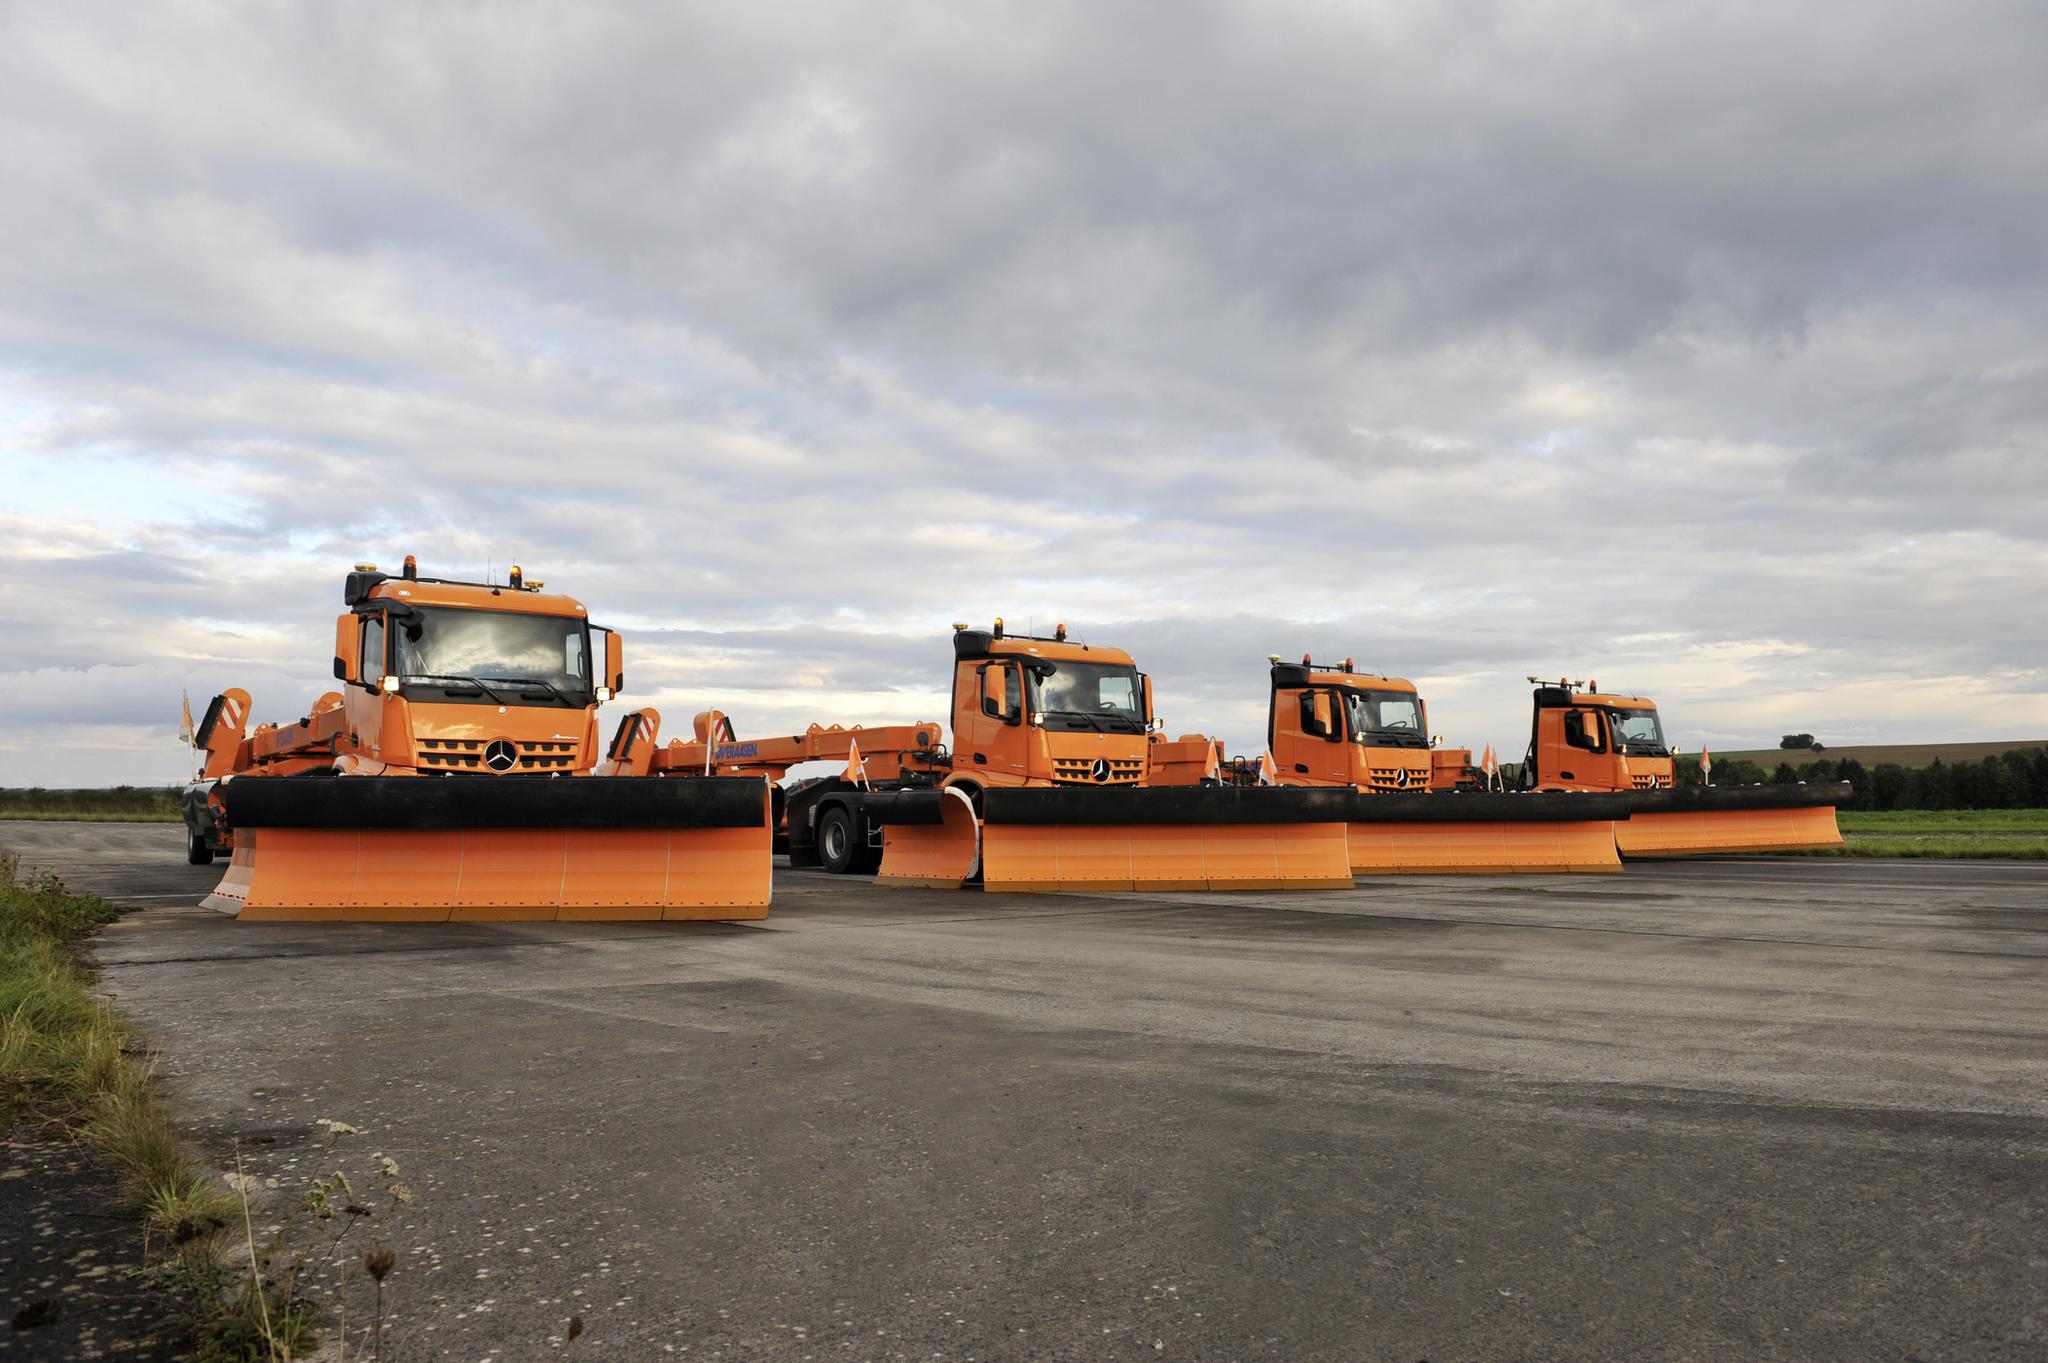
[(1468, 340)]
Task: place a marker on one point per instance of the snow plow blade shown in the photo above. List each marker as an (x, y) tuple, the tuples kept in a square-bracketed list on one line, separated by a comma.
[(1164, 838), (1475, 833), (1691, 821), (496, 849), (930, 840)]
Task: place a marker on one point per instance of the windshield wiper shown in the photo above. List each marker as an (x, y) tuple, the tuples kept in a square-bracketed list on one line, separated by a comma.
[(1093, 721), (458, 678), (1096, 720), (541, 682)]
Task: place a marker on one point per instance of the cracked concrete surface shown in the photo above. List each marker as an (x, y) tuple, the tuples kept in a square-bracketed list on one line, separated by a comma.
[(1760, 1109)]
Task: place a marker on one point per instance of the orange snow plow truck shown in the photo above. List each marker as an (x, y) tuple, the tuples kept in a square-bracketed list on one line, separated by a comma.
[(1058, 779), (1582, 739), (453, 776), (1332, 726)]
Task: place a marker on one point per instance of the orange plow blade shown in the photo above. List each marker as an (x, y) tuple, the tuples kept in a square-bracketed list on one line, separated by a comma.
[(1477, 833), (704, 850), (934, 856), (1482, 848), (1170, 838), (1709, 831), (1706, 820)]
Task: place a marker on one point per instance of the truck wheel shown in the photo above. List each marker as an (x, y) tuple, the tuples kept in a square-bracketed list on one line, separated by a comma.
[(839, 849), (197, 852)]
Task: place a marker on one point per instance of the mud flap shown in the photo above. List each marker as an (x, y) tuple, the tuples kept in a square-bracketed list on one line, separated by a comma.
[(1170, 838), (1477, 833), (426, 849), (1710, 820), (933, 856)]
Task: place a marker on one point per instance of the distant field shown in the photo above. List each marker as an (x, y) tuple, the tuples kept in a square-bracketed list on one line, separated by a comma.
[(1870, 754), (123, 804), (1999, 834)]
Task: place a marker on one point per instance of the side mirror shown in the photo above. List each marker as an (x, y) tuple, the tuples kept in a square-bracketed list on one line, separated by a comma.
[(992, 699), (347, 647), (1325, 720), (1145, 695), (1313, 724), (614, 663)]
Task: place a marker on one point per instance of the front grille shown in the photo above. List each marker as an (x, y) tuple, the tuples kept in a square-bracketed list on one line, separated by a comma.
[(1397, 779), (1649, 782), (467, 754), (1080, 771)]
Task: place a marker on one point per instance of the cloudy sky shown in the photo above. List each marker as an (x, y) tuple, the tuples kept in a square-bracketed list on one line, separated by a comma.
[(1696, 348)]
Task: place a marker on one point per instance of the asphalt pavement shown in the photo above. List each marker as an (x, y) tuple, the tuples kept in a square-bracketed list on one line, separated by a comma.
[(1730, 1109)]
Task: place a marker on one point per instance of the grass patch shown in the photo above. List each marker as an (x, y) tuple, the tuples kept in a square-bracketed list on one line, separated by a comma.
[(1920, 822), (1971, 834), (69, 1061), (114, 804)]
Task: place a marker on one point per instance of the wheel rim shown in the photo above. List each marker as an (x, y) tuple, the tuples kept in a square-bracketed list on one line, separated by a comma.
[(834, 838)]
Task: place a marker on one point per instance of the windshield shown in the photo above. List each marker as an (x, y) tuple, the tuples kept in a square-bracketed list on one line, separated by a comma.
[(1103, 696), (1639, 732), (460, 654), (1386, 719)]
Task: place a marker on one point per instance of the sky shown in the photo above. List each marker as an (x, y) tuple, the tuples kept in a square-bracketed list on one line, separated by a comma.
[(1695, 348)]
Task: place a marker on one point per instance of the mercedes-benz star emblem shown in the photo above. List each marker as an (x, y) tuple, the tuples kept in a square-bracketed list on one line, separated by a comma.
[(1400, 776), (501, 755), (1100, 771)]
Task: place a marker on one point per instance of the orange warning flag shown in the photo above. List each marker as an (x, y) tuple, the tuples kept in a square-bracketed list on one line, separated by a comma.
[(856, 766), (1211, 770), (1706, 766), (1267, 767), (185, 729)]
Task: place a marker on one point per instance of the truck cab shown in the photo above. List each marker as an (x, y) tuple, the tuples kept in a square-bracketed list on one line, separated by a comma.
[(1038, 711), (1336, 726), (1033, 711), (1585, 739), (460, 678)]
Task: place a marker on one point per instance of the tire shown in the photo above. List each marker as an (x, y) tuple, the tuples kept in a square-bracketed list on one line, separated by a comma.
[(197, 851), (839, 842)]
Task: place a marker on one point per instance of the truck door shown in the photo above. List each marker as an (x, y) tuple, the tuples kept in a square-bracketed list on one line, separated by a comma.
[(988, 721), (1583, 758), (1309, 742)]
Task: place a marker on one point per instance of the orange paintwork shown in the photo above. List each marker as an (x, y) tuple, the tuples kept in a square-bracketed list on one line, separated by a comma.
[(1155, 857), (497, 874), (1340, 757), (887, 751), (990, 751), (1483, 848), (1593, 763), (940, 856), (1573, 747), (1704, 832)]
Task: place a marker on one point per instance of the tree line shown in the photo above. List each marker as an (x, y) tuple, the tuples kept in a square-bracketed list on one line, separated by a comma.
[(2013, 780)]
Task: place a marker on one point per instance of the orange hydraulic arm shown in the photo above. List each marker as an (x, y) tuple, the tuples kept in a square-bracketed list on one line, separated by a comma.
[(887, 752), (231, 748)]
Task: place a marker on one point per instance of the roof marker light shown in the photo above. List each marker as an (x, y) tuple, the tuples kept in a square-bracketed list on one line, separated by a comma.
[(412, 568)]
